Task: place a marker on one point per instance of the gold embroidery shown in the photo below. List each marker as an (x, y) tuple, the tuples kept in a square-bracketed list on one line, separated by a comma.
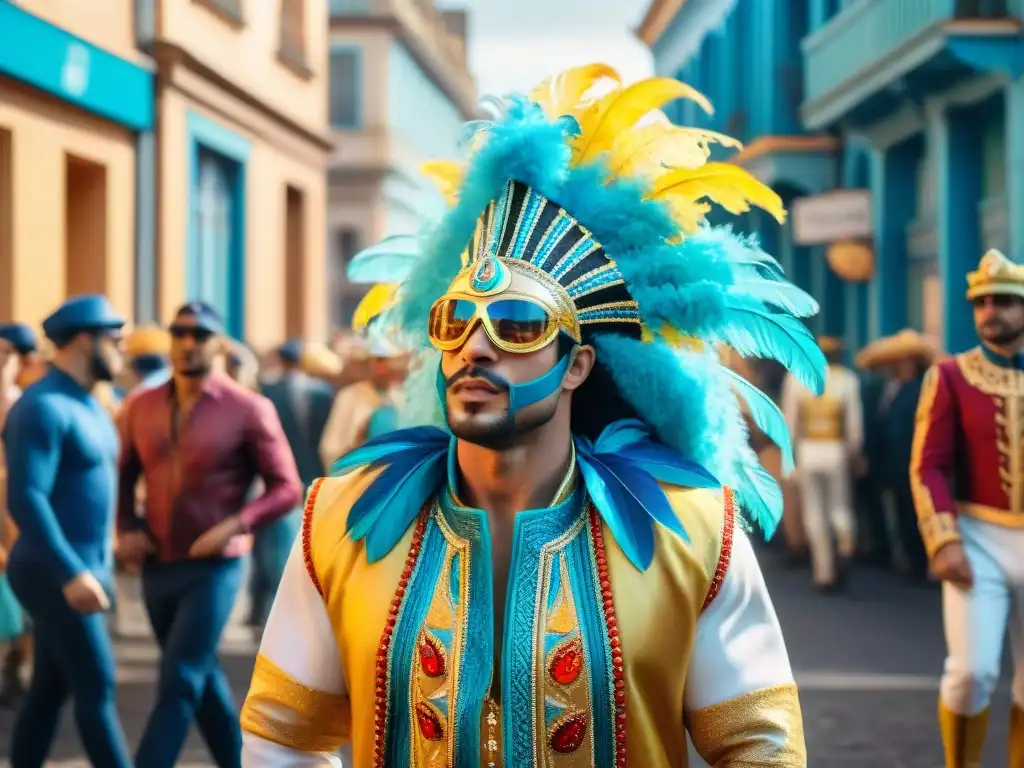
[(762, 728), (1006, 388), (993, 515), (938, 527), (281, 709)]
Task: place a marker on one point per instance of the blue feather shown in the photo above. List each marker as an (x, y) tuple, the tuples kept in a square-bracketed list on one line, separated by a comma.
[(761, 263), (471, 130), (668, 466), (785, 296), (378, 449), (389, 261), (633, 532), (403, 505), (766, 416), (365, 509), (760, 497), (646, 492), (754, 331), (621, 433)]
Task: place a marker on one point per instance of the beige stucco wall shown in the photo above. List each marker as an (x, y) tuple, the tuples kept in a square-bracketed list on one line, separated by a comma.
[(269, 172), (110, 24), (43, 130), (247, 55)]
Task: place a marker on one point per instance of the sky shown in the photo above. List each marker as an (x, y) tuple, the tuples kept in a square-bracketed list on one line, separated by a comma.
[(514, 44)]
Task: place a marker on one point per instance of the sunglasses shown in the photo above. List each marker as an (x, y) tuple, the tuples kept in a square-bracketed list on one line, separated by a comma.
[(513, 325), (181, 332), (998, 301)]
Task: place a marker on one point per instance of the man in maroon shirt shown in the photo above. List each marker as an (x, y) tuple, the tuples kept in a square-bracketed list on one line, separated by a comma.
[(198, 441)]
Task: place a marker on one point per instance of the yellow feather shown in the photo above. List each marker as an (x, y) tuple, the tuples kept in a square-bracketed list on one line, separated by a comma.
[(563, 93), (650, 149), (620, 110), (377, 299), (446, 175), (730, 186)]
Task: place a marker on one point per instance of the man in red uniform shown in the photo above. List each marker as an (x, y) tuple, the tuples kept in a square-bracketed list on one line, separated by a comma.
[(198, 441), (970, 424)]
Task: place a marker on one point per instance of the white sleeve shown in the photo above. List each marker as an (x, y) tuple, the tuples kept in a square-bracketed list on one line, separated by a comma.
[(854, 416), (741, 701), (296, 714)]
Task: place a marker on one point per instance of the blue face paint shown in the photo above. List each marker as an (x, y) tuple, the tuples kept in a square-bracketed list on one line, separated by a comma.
[(520, 395)]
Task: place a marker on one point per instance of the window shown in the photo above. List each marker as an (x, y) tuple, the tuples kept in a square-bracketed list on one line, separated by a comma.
[(344, 296), (345, 87), (293, 32), (215, 233)]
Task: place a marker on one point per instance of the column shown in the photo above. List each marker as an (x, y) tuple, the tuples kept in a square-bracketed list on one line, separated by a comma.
[(145, 228), (819, 14), (857, 308), (1015, 167), (831, 295), (894, 190), (957, 153)]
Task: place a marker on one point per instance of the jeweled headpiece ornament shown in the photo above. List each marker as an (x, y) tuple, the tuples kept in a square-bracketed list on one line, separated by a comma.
[(590, 204)]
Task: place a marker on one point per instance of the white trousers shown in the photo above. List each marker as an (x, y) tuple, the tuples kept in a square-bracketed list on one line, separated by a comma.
[(824, 479), (977, 619)]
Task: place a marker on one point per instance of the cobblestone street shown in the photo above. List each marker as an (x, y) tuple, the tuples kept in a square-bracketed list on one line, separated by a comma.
[(867, 663)]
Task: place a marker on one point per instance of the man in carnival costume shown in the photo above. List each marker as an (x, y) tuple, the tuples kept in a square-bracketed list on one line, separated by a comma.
[(969, 424), (500, 594)]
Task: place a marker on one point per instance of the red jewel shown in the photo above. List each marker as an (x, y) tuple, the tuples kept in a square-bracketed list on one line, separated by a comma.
[(431, 658), (568, 734), (566, 662), (430, 726)]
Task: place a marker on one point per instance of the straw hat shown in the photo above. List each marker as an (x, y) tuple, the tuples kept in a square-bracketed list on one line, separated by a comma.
[(907, 344), (318, 360), (148, 340)]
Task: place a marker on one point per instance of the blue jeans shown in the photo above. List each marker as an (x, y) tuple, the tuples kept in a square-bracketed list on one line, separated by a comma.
[(271, 546), (189, 604), (73, 657)]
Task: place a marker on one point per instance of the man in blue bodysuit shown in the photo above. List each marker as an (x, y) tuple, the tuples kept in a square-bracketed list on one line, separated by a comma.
[(62, 452)]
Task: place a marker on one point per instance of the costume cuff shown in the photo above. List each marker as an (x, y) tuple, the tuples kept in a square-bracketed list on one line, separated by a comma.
[(938, 530), (762, 728)]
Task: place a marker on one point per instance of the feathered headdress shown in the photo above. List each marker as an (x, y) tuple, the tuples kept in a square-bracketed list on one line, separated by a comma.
[(637, 187)]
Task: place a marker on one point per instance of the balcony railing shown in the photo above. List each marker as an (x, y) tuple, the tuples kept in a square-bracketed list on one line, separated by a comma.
[(867, 31)]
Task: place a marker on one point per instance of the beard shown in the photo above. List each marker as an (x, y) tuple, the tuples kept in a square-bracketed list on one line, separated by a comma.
[(495, 430), (99, 367), (1001, 334)]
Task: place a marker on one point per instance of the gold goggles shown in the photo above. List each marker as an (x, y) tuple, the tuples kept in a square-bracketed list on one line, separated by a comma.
[(513, 324)]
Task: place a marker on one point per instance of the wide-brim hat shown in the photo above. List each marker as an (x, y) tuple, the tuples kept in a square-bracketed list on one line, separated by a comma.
[(148, 340), (908, 344), (318, 360)]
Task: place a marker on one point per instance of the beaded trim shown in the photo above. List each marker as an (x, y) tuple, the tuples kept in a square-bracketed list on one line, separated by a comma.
[(380, 706), (608, 604), (307, 535), (728, 525)]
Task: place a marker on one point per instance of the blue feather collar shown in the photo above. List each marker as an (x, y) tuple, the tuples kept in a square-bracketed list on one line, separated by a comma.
[(621, 471)]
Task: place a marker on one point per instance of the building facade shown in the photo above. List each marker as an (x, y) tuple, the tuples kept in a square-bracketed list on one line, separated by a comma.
[(235, 195), (892, 127), (400, 92), (76, 98)]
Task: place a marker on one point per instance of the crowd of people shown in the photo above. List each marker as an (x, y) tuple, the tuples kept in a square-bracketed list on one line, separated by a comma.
[(212, 446)]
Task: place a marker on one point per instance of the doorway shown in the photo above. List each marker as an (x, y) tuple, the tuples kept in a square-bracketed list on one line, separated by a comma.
[(85, 226)]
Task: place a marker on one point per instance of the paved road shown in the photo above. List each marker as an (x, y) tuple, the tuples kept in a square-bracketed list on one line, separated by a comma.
[(867, 663)]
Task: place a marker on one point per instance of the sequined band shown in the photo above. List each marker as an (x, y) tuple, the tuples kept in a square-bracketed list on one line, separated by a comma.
[(762, 728), (608, 605), (728, 526), (307, 535), (380, 706), (280, 709)]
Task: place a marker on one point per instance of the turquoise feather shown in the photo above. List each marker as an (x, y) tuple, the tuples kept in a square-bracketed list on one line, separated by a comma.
[(755, 331), (760, 497), (785, 296), (389, 261), (766, 416)]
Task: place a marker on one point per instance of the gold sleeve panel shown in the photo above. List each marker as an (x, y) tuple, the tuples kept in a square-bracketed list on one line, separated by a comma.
[(281, 709), (937, 531), (760, 729)]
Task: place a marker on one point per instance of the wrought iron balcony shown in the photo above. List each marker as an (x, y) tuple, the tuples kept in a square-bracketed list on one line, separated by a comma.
[(871, 44)]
